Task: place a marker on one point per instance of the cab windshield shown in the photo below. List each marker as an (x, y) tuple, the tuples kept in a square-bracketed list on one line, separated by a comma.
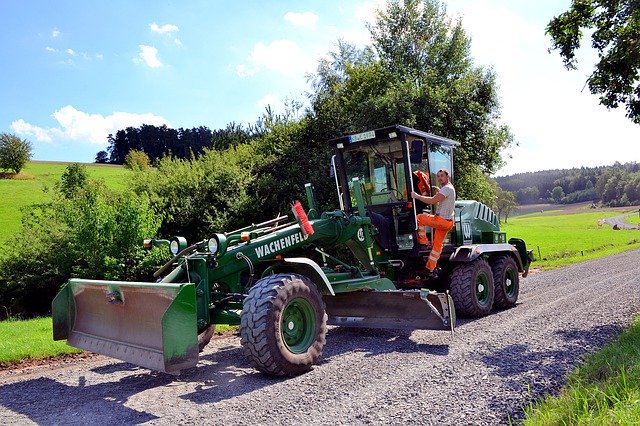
[(380, 170)]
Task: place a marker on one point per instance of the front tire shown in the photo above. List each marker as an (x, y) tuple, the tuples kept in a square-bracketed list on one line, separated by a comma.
[(472, 288), (283, 324), (506, 280)]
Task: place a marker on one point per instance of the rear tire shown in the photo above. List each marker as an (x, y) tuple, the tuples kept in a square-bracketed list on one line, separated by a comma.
[(283, 324), (472, 288), (506, 281)]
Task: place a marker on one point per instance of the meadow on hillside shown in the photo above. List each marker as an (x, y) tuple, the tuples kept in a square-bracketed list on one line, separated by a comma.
[(30, 187)]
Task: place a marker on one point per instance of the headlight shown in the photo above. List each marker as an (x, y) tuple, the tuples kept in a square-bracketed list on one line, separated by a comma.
[(213, 245), (174, 247)]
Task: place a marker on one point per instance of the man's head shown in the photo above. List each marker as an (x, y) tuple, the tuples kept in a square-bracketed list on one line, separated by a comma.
[(443, 176)]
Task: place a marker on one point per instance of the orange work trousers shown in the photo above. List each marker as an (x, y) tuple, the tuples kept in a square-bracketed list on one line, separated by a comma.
[(440, 228)]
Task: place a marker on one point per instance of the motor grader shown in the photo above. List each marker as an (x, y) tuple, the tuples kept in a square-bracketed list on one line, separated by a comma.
[(282, 282)]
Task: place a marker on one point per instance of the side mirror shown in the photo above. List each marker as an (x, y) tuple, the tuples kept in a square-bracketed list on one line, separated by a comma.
[(417, 151)]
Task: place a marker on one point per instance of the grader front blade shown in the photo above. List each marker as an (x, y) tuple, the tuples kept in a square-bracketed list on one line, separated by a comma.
[(419, 309), (150, 325)]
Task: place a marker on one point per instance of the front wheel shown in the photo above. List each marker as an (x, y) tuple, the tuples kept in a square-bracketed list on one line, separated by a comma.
[(283, 324), (472, 288)]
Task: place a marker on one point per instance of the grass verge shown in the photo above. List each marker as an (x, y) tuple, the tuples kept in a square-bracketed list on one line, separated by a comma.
[(605, 389), (29, 339), (32, 339)]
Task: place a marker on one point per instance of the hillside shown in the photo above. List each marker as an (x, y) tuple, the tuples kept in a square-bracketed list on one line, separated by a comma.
[(30, 185), (616, 185)]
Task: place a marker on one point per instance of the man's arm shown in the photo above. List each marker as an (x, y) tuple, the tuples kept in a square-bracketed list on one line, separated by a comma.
[(429, 200)]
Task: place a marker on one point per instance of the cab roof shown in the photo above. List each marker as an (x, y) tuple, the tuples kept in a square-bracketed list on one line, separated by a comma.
[(384, 133)]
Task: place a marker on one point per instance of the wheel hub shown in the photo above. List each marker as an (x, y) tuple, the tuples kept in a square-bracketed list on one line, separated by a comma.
[(298, 325)]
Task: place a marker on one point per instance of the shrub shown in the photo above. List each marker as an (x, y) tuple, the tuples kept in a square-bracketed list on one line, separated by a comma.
[(136, 160), (96, 233), (73, 179)]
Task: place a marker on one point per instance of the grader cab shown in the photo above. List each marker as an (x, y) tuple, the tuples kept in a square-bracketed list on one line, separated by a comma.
[(278, 281)]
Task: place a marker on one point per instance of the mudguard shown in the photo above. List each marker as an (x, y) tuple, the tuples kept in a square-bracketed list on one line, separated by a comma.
[(468, 253)]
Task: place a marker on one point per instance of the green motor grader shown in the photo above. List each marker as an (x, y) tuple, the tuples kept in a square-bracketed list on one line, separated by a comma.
[(279, 281)]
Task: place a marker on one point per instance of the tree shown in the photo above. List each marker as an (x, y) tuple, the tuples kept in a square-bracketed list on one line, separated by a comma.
[(505, 203), (73, 179), (136, 160), (418, 71), (14, 152), (557, 194), (616, 37), (102, 157)]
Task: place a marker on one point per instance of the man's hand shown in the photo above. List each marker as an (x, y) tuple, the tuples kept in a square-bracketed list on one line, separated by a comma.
[(415, 195)]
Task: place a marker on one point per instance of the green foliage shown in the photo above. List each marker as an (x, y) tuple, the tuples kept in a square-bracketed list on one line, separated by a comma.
[(74, 178), (418, 71), (136, 160), (605, 389), (505, 203), (557, 194), (200, 196), (616, 31), (619, 186), (96, 233), (475, 185), (20, 193), (616, 185), (14, 152)]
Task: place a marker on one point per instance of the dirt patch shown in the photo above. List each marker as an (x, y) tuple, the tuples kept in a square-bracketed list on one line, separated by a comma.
[(18, 176)]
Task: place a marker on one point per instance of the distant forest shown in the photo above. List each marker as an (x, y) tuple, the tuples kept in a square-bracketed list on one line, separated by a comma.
[(159, 141), (617, 185)]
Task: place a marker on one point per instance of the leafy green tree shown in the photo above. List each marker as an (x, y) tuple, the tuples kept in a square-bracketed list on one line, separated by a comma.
[(505, 203), (616, 37), (102, 157), (73, 179), (136, 160), (418, 71), (14, 152), (557, 194)]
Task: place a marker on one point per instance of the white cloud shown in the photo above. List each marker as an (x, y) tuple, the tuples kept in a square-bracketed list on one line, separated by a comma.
[(280, 56), (366, 12), (148, 55), (74, 125), (50, 49), (71, 52), (163, 29), (301, 19), (55, 33), (99, 56)]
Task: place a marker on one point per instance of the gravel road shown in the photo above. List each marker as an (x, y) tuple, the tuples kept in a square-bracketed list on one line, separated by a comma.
[(484, 375), (619, 220)]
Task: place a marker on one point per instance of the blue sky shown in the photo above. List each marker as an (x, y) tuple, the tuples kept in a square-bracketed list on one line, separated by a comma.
[(73, 72)]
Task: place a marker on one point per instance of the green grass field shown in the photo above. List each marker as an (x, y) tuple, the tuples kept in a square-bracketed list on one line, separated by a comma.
[(604, 390), (566, 238), (29, 339), (28, 188)]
